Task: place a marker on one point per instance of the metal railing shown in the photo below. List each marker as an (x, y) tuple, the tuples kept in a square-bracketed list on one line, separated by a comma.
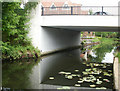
[(81, 10)]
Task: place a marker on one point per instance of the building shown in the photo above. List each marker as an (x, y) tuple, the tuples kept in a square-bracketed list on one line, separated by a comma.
[(88, 35), (61, 7)]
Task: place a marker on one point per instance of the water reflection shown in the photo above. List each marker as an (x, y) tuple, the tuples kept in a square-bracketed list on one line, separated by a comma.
[(34, 74), (99, 53), (16, 74), (67, 70)]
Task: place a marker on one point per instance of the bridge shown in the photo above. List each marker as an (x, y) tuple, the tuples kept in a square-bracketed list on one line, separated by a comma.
[(59, 28)]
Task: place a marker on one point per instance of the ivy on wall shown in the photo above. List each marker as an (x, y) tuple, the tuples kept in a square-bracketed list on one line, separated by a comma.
[(15, 42)]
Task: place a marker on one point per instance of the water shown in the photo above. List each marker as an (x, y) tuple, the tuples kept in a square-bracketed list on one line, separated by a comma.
[(78, 67)]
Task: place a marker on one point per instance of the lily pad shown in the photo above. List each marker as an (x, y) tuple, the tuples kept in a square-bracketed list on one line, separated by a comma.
[(106, 80), (76, 70), (51, 78), (85, 73), (92, 86), (109, 70), (87, 70), (107, 74), (74, 75), (69, 77), (62, 72), (98, 81), (80, 81), (87, 79), (77, 85), (67, 73)]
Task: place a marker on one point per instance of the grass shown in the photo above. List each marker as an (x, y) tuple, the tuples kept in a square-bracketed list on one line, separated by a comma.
[(95, 40)]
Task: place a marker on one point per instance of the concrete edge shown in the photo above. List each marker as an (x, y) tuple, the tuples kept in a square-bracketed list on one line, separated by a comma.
[(115, 72), (59, 50)]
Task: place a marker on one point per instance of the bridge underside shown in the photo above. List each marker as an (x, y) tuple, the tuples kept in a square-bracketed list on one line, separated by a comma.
[(87, 28)]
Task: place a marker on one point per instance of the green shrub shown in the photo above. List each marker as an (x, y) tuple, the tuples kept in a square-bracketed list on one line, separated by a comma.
[(15, 28)]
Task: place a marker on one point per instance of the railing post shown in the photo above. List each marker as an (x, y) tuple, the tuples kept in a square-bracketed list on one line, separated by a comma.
[(71, 10), (102, 10), (42, 11)]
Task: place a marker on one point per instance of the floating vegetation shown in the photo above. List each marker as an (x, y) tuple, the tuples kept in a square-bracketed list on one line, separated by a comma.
[(76, 70), (67, 73), (51, 78), (62, 72), (94, 69), (92, 86), (78, 75), (68, 76), (106, 80), (87, 70), (93, 75), (107, 74), (77, 85), (109, 70), (85, 73), (74, 75), (98, 81), (89, 79), (80, 81)]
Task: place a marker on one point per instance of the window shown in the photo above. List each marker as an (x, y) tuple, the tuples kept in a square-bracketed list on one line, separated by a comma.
[(65, 6), (53, 7)]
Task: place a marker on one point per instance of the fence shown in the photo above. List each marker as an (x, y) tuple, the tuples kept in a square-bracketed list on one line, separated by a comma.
[(81, 10)]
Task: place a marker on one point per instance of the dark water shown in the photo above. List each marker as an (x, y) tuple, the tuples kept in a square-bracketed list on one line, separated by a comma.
[(90, 67)]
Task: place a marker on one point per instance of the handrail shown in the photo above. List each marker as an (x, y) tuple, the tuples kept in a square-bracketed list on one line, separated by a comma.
[(81, 10)]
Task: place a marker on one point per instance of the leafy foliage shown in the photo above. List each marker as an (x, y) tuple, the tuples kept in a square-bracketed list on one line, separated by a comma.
[(106, 34), (15, 28)]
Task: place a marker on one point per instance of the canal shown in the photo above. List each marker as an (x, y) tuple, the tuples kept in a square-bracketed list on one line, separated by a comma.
[(83, 68)]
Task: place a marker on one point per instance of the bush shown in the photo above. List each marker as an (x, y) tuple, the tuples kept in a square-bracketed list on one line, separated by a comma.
[(15, 41)]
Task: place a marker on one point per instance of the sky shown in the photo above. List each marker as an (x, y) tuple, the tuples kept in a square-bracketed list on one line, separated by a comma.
[(97, 2)]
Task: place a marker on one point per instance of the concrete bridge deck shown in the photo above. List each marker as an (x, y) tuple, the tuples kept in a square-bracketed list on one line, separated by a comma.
[(82, 23)]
